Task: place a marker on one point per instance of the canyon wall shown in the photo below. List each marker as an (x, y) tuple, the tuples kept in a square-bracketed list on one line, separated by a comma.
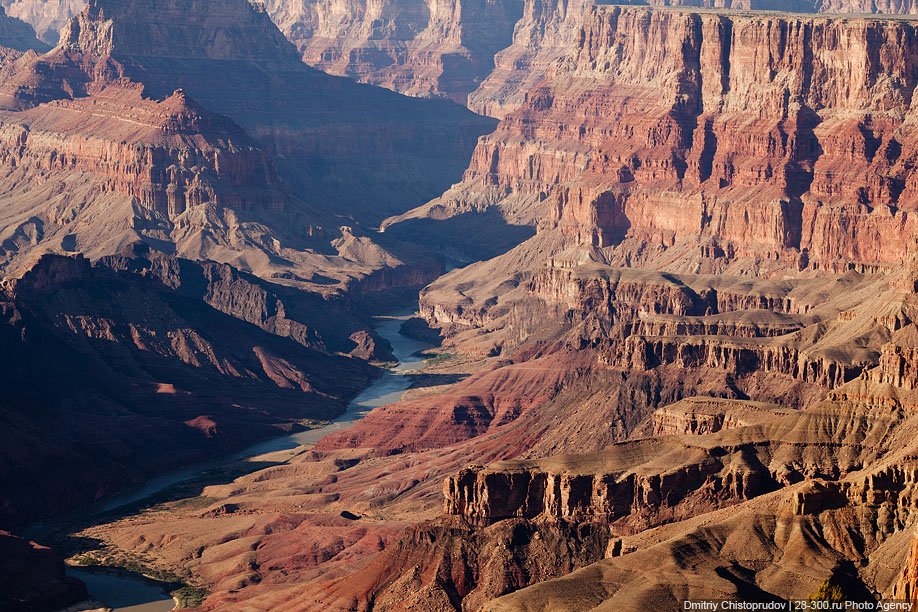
[(231, 59), (420, 48), (18, 35), (46, 16), (486, 54), (201, 133), (661, 128), (112, 376), (186, 158), (543, 35)]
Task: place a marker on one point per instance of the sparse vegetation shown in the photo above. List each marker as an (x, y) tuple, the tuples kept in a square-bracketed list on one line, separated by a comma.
[(189, 596), (828, 592)]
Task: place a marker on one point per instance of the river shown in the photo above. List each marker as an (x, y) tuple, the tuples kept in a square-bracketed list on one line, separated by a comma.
[(125, 594)]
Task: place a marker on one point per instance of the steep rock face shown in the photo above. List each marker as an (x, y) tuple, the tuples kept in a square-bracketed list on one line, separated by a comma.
[(543, 34), (17, 34), (483, 498), (420, 48), (32, 578), (905, 586), (159, 117), (662, 129), (112, 377), (232, 59), (697, 416), (103, 173), (889, 7), (693, 489), (313, 321), (46, 16), (898, 366), (479, 565)]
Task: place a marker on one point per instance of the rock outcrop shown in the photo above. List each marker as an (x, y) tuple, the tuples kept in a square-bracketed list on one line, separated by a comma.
[(544, 33), (168, 156), (905, 586)]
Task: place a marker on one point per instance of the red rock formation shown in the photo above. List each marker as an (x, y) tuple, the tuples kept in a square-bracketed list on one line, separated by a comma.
[(716, 175), (543, 34), (473, 407), (169, 156), (666, 129), (102, 123), (905, 587), (701, 415), (283, 104)]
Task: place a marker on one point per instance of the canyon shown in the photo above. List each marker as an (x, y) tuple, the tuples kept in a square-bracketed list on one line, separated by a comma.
[(666, 252)]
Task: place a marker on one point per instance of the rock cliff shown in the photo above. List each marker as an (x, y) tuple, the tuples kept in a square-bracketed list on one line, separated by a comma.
[(46, 16), (169, 156), (422, 48), (543, 34), (662, 129), (18, 35)]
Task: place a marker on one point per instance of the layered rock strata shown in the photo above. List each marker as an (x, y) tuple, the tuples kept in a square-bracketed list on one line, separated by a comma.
[(494, 51), (662, 132), (233, 60), (418, 48), (158, 116)]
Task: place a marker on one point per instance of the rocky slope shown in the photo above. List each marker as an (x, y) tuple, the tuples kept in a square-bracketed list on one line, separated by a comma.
[(32, 578), (423, 48), (113, 375), (682, 206), (542, 35)]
